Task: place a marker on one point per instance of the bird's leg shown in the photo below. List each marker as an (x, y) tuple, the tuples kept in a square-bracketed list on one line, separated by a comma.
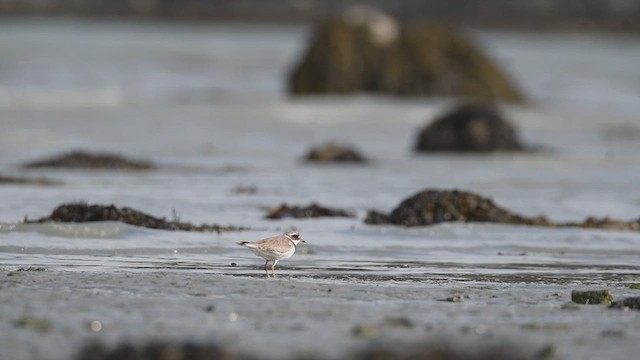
[(273, 268), (265, 268)]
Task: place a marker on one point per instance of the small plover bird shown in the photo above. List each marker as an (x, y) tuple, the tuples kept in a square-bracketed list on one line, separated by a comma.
[(274, 248)]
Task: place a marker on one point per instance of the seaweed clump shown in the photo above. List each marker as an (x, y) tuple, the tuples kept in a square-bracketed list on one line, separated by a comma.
[(82, 212), (469, 127), (367, 50), (311, 211), (86, 160), (432, 206)]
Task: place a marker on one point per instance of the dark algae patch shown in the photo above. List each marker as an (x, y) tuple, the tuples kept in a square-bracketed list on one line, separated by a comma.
[(469, 127), (86, 160), (592, 297), (82, 212), (433, 206), (311, 211)]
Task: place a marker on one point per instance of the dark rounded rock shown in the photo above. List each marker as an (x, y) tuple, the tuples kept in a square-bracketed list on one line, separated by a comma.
[(469, 128), (333, 152), (85, 160), (368, 51)]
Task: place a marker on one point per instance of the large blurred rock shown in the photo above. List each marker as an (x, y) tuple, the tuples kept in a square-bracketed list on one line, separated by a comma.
[(469, 127), (368, 51)]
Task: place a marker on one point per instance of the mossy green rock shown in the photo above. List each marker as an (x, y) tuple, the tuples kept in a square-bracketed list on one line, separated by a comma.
[(592, 297), (425, 59)]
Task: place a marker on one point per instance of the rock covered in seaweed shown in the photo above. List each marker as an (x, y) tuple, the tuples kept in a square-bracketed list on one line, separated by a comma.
[(82, 212), (335, 153), (430, 207), (368, 51), (87, 160), (314, 210), (470, 127)]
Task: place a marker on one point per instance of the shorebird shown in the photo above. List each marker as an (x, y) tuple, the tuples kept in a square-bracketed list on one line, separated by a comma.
[(274, 248)]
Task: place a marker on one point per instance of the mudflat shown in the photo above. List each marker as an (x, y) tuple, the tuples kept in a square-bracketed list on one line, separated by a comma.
[(311, 313)]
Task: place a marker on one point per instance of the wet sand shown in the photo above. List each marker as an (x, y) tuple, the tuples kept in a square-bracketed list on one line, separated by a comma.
[(55, 314)]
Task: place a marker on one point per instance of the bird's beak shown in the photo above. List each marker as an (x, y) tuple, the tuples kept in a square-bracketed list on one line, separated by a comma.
[(302, 241)]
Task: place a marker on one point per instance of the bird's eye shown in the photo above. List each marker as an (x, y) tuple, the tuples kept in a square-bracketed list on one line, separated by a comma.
[(295, 236)]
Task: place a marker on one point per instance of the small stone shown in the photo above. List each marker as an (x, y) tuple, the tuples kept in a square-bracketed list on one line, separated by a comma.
[(233, 264), (335, 153), (592, 297), (95, 326), (365, 331), (455, 299)]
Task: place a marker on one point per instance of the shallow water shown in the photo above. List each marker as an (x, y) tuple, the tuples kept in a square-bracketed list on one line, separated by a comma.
[(207, 104)]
